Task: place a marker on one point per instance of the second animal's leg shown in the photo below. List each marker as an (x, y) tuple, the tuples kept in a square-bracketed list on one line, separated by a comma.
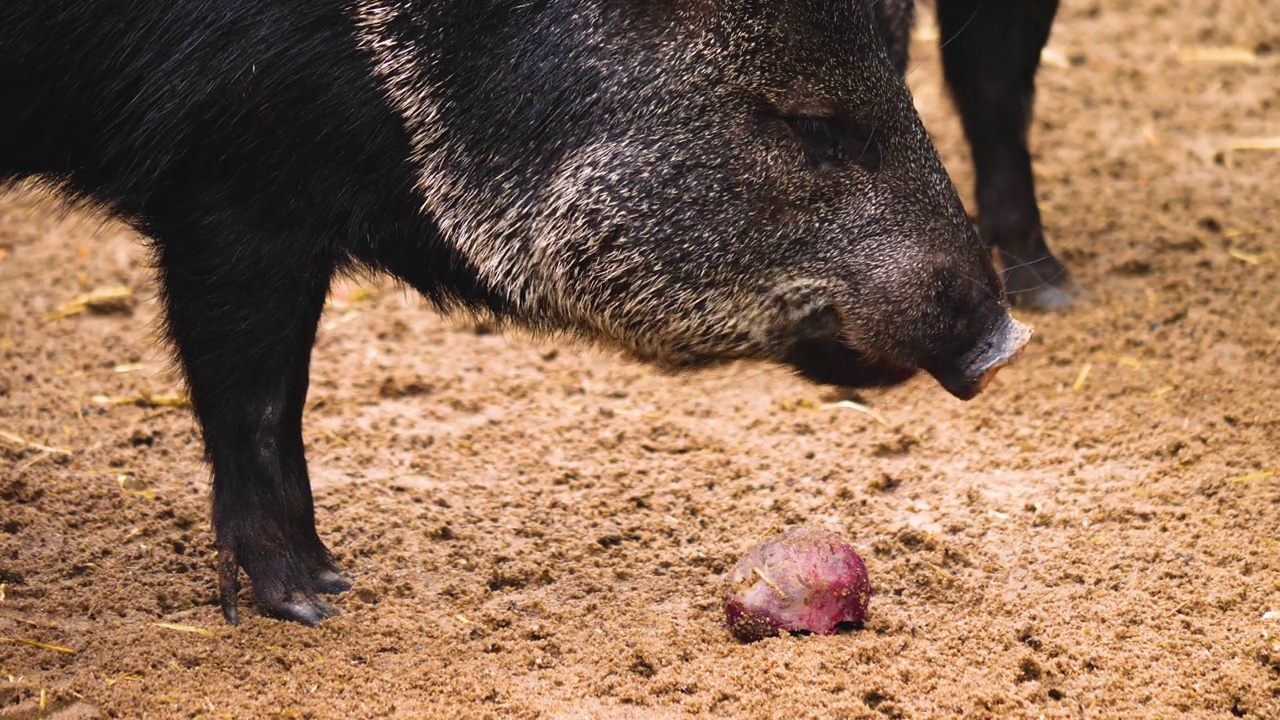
[(894, 19), (990, 52)]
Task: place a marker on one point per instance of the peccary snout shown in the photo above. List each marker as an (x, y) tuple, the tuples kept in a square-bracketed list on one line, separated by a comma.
[(970, 373), (961, 333), (824, 358)]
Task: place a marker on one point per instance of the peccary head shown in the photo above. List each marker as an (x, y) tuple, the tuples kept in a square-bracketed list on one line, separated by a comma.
[(695, 181)]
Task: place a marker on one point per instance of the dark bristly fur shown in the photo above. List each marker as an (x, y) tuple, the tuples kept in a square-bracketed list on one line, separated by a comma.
[(690, 181)]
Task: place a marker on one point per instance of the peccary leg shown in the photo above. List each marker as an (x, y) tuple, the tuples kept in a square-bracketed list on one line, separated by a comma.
[(990, 52), (242, 309)]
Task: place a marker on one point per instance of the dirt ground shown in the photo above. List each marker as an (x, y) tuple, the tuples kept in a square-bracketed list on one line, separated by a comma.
[(537, 530)]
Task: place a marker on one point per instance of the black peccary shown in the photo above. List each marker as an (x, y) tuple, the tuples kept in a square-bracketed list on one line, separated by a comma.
[(691, 181), (990, 54)]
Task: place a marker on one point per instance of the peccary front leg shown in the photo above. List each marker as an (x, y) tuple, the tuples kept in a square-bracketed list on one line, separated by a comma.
[(242, 310), (990, 52)]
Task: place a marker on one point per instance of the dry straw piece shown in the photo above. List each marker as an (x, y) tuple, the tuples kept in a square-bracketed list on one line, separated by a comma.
[(1225, 55), (42, 646), (104, 299), (160, 400), (858, 407), (18, 440), (1078, 385), (185, 628)]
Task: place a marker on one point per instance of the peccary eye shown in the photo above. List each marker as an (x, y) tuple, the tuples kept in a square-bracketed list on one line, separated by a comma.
[(834, 143)]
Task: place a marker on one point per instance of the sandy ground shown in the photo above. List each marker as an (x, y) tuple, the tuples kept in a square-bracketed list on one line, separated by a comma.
[(539, 531)]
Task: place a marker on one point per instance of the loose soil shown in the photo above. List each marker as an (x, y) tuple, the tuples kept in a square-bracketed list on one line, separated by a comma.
[(538, 530)]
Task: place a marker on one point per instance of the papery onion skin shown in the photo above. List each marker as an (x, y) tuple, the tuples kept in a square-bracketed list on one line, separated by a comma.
[(806, 579)]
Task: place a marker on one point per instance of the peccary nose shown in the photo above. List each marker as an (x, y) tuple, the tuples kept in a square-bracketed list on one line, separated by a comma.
[(976, 368)]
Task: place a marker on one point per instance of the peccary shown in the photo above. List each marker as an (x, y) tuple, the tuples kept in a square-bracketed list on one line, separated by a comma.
[(990, 54), (690, 181)]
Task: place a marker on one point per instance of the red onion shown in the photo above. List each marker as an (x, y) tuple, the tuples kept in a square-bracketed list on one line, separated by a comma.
[(803, 580)]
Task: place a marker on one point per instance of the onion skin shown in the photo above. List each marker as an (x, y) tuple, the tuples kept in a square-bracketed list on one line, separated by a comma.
[(806, 579)]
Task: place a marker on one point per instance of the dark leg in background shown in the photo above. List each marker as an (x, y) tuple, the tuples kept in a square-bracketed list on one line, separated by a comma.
[(894, 18), (990, 52)]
